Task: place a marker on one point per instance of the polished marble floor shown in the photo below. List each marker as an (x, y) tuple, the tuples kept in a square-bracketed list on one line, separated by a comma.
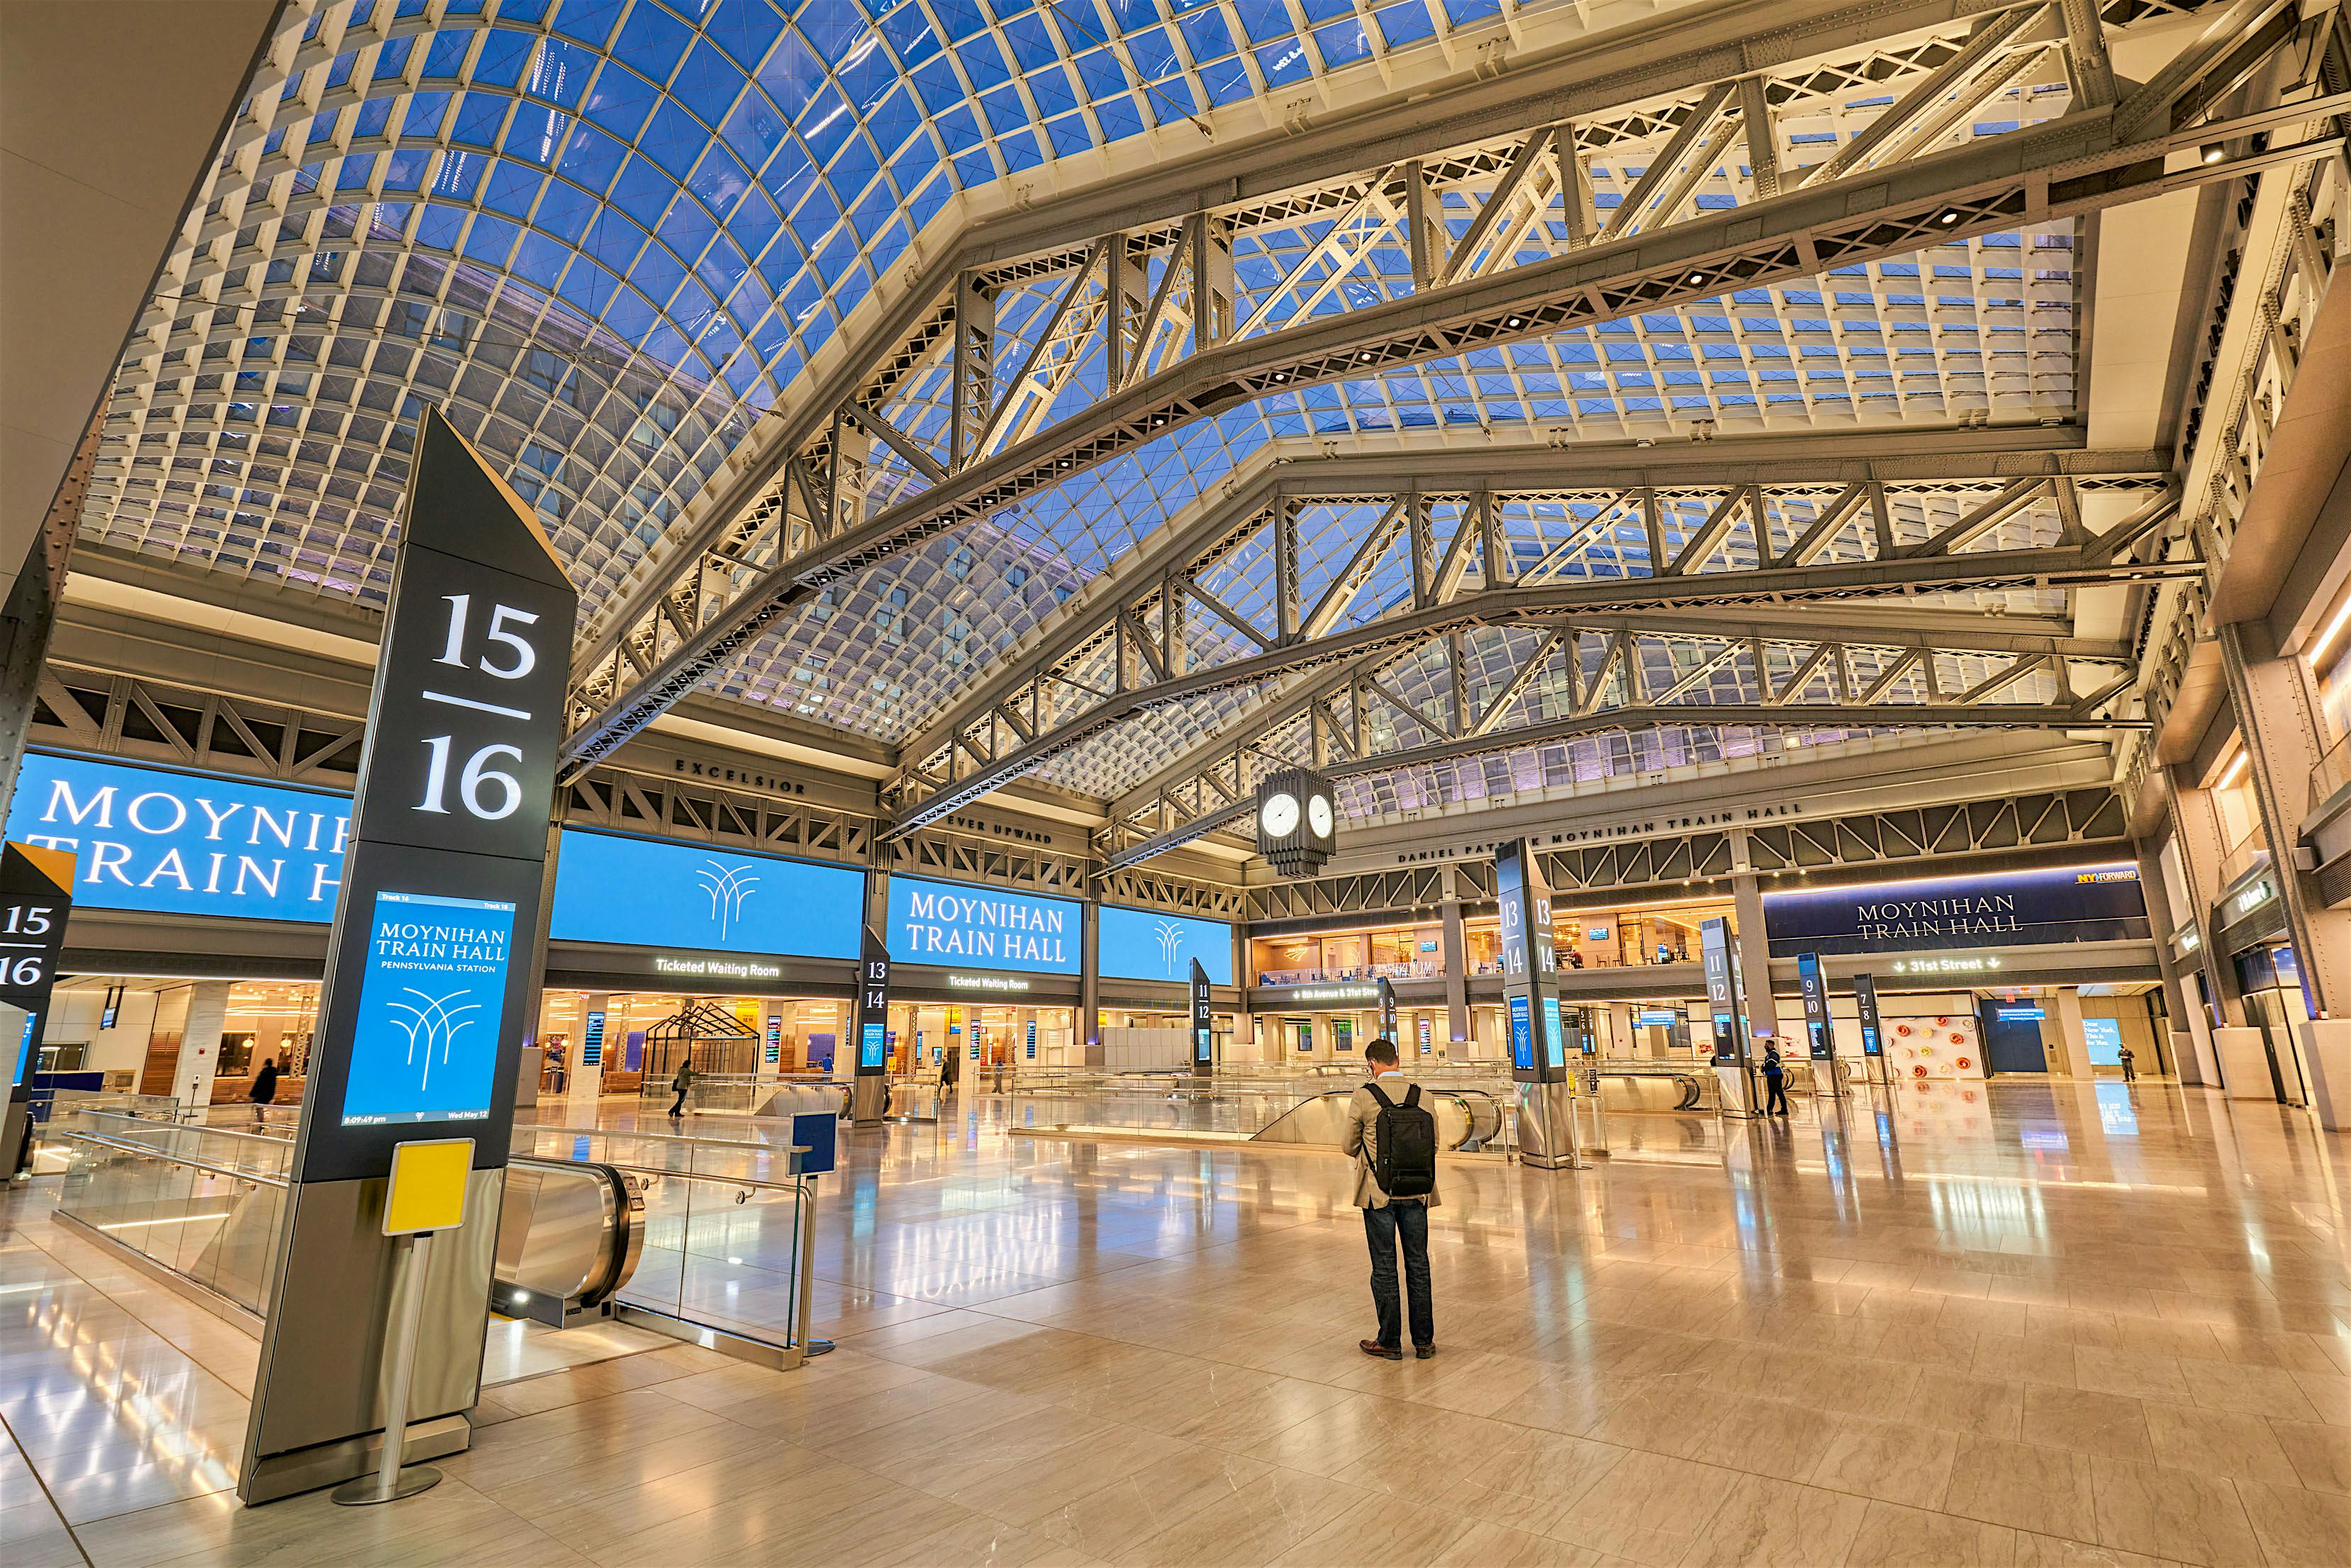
[(2048, 1324)]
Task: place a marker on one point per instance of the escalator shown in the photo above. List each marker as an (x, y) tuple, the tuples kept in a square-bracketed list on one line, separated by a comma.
[(1467, 1119)]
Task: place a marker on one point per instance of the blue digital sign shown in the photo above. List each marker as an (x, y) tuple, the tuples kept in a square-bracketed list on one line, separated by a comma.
[(2105, 1038), (425, 1043), (2059, 903), (1523, 1036), (654, 893), (983, 927), (1152, 945), (1554, 1037), (151, 840)]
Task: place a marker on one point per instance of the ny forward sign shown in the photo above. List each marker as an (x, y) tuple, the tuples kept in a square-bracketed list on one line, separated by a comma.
[(421, 1018)]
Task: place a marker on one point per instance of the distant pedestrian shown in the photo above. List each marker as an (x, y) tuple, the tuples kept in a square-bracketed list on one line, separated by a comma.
[(682, 1083), (950, 1067), (1393, 1140), (264, 1093), (1775, 1081), (2130, 1066)]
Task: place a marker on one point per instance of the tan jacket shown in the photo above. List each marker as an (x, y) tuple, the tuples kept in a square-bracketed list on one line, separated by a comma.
[(1364, 1132)]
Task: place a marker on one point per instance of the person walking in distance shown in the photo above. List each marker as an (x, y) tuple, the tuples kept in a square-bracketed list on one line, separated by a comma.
[(950, 1067), (1393, 1138), (682, 1083), (1775, 1081), (2130, 1066), (264, 1090)]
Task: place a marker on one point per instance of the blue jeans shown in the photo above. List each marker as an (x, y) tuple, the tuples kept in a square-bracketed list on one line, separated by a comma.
[(1407, 1220)]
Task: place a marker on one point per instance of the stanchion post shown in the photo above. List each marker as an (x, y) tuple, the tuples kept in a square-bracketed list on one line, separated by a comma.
[(804, 1209), (425, 1192)]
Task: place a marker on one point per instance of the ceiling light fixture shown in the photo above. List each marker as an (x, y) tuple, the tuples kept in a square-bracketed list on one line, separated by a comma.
[(2210, 152), (2333, 629), (1950, 216), (1695, 279)]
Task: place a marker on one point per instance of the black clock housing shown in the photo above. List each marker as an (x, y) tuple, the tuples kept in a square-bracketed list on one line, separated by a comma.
[(1297, 820)]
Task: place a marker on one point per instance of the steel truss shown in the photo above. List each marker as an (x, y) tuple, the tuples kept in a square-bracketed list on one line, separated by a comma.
[(2038, 819), (1544, 586), (959, 419)]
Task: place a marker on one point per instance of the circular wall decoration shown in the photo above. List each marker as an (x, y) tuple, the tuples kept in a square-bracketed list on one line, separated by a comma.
[(1965, 1064), (1918, 1073)]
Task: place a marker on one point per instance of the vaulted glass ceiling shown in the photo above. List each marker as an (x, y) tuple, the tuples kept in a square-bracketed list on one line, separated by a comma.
[(609, 237)]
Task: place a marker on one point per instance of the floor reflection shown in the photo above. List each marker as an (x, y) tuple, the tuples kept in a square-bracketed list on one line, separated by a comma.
[(2022, 1321)]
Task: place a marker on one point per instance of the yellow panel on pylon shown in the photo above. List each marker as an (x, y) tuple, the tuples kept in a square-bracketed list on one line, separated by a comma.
[(427, 1191)]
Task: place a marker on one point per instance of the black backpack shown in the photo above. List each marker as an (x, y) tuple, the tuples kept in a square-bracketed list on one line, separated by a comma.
[(1403, 1145)]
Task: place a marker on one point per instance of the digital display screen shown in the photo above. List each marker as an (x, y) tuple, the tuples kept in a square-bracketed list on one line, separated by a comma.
[(873, 1048), (1152, 945), (645, 892), (1554, 1037), (965, 925), (424, 1044), (151, 840), (591, 1041), (2104, 1038), (1523, 1036), (24, 1044)]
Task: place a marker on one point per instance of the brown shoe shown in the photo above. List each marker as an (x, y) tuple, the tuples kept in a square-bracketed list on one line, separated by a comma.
[(1422, 1352), (1385, 1352)]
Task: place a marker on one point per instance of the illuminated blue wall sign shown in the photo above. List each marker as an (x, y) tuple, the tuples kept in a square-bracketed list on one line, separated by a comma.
[(1151, 945), (2062, 903), (1523, 1036), (1554, 1038), (185, 844), (984, 927), (653, 892), (591, 1039), (2105, 1038), (426, 1038)]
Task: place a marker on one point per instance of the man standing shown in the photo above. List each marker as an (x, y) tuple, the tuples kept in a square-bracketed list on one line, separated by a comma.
[(1387, 1100)]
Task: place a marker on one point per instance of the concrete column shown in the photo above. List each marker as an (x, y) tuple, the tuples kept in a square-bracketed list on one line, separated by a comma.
[(2178, 990), (2277, 717), (582, 1100), (1089, 1019), (2196, 834), (202, 1012), (1754, 953), (1456, 974), (2070, 1036)]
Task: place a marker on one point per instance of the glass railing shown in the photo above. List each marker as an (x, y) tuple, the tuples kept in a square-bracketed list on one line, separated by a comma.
[(724, 1093), (726, 1222), (2242, 856), (2334, 769), (204, 1202)]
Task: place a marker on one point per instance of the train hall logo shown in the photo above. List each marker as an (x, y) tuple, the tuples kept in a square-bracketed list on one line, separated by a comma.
[(1171, 935), (729, 887)]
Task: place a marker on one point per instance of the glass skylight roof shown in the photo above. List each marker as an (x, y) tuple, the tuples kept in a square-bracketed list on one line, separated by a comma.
[(609, 235)]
